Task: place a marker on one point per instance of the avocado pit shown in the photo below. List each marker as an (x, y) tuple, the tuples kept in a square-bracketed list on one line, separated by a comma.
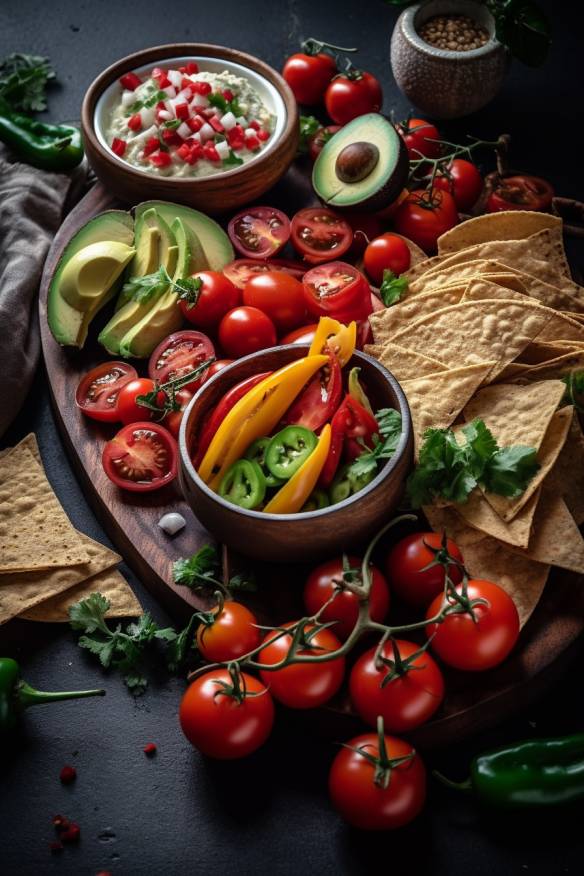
[(356, 161)]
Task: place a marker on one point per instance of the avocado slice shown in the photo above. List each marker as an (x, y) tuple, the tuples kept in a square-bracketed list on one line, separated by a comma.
[(363, 165), (155, 246), (69, 317), (215, 243)]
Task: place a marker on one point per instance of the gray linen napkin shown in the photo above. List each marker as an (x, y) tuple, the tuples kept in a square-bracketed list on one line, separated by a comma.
[(32, 206)]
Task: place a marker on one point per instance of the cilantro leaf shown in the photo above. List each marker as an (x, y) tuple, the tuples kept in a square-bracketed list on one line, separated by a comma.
[(309, 125), (217, 99), (392, 288), (510, 470), (202, 569), (23, 81), (89, 614), (481, 444), (232, 160), (390, 428), (144, 288), (179, 647), (155, 98)]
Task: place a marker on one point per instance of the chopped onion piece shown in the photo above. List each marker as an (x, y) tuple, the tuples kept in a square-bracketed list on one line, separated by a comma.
[(184, 131), (207, 132), (175, 77), (128, 98), (228, 121), (222, 149), (170, 91), (172, 522)]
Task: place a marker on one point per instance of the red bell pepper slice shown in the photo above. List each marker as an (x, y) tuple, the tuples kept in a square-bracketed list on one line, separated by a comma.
[(319, 399), (338, 427), (351, 425)]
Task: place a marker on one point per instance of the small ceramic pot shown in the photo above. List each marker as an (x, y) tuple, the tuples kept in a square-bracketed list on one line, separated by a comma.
[(446, 84)]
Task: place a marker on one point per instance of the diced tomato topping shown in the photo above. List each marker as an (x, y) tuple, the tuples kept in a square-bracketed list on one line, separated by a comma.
[(182, 111), (190, 69), (235, 134), (197, 152), (252, 143), (210, 152), (263, 135), (118, 146), (157, 72), (205, 113), (171, 138), (130, 81), (227, 94), (161, 159), (255, 125), (160, 75), (187, 83), (184, 152), (135, 122), (152, 144), (203, 88), (195, 124), (216, 124)]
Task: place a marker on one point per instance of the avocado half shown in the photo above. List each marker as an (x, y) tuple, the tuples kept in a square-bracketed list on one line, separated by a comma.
[(364, 165)]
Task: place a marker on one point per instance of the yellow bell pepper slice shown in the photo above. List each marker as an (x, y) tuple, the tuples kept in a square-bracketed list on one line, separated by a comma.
[(333, 335), (255, 415), (291, 497), (356, 390)]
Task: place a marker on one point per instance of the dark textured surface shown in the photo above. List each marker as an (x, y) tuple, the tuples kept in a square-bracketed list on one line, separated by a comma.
[(176, 813)]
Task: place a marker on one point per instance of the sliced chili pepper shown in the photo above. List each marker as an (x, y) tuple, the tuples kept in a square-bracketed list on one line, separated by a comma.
[(288, 450), (360, 428), (317, 500), (291, 497), (356, 390), (320, 399), (257, 453), (346, 484), (243, 484), (339, 426)]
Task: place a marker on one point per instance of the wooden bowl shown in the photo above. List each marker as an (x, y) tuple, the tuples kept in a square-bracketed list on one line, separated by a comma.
[(218, 192), (305, 536)]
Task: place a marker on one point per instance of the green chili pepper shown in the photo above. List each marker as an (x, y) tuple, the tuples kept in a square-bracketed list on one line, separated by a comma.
[(243, 484), (356, 390), (50, 147), (288, 450), (532, 774), (257, 453), (347, 484), (16, 695), (317, 500)]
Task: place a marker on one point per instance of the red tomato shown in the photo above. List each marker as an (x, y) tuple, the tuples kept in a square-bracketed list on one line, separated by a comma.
[(97, 393), (419, 136), (217, 366), (232, 634), (242, 270), (178, 354), (303, 335), (405, 564), (127, 408), (302, 685), (463, 181), (407, 699), (339, 290), (246, 330), (173, 419), (320, 586), (215, 296), (520, 193), (259, 232), (141, 457), (387, 252), (278, 295), (349, 96), (220, 726), (309, 75), (366, 227), (475, 643), (320, 398), (371, 806), (318, 140), (424, 216), (320, 235)]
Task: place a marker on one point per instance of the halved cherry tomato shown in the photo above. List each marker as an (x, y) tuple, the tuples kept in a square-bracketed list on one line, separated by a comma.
[(303, 335), (217, 366), (246, 330), (278, 295), (320, 138), (339, 290), (178, 354), (463, 181), (320, 398), (309, 75), (127, 408), (208, 305), (242, 270), (386, 252), (407, 571), (520, 193), (259, 232), (142, 457), (352, 95), (173, 419), (419, 136), (97, 393), (344, 609), (233, 632), (424, 216), (319, 235)]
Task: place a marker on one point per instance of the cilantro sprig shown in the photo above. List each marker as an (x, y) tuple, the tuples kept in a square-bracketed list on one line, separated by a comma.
[(142, 289), (451, 470), (215, 98), (390, 429), (392, 288), (23, 81), (203, 571)]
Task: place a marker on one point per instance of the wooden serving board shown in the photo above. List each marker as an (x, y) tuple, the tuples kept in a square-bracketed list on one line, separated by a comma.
[(473, 701)]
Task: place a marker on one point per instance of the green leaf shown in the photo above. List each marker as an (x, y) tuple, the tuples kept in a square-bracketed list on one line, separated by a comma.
[(480, 446), (189, 290), (309, 125), (390, 422), (234, 107), (245, 582), (524, 28), (510, 470), (102, 649), (202, 569), (142, 289), (390, 428), (172, 124), (155, 98), (217, 99), (23, 81), (232, 160), (178, 650), (392, 288), (574, 394), (89, 613)]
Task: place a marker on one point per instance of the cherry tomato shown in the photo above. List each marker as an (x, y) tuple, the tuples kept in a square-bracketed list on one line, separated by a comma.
[(303, 335), (320, 586), (220, 726), (387, 252), (259, 232), (97, 393), (232, 634), (366, 227), (246, 330), (320, 235), (405, 564), (173, 419), (407, 699), (309, 75), (463, 181), (318, 140), (339, 290), (278, 295), (520, 193), (141, 457), (242, 270), (127, 408), (349, 96), (217, 366), (178, 354), (320, 398), (424, 216), (370, 806), (215, 297), (302, 685), (475, 643), (419, 136)]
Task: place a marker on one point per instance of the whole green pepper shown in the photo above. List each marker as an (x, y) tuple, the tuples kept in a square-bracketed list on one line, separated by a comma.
[(532, 774), (16, 695), (49, 147)]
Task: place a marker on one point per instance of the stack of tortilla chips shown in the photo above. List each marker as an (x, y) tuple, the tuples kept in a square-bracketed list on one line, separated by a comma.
[(488, 328), (45, 564)]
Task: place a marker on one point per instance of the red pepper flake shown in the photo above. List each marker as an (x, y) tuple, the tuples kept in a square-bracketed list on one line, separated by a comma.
[(150, 749), (71, 835), (61, 823), (56, 847), (68, 775)]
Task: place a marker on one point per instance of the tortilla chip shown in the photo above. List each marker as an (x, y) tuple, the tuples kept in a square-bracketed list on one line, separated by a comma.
[(562, 328), (386, 323), (506, 225), (523, 579), (476, 331), (110, 583), (567, 476), (477, 512), (478, 290), (35, 532), (554, 368), (404, 364), (555, 538), (448, 520)]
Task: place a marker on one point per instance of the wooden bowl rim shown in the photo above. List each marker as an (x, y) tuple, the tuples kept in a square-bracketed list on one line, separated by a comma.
[(387, 470), (170, 50)]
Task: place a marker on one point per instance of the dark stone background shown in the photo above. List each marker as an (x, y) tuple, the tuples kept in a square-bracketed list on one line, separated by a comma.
[(178, 813)]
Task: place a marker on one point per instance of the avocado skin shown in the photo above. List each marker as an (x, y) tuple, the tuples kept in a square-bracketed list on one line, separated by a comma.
[(67, 324)]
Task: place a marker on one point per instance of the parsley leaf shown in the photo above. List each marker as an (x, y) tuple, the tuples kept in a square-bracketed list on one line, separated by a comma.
[(23, 81), (155, 98), (390, 428), (232, 160), (234, 107), (309, 125), (392, 288)]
